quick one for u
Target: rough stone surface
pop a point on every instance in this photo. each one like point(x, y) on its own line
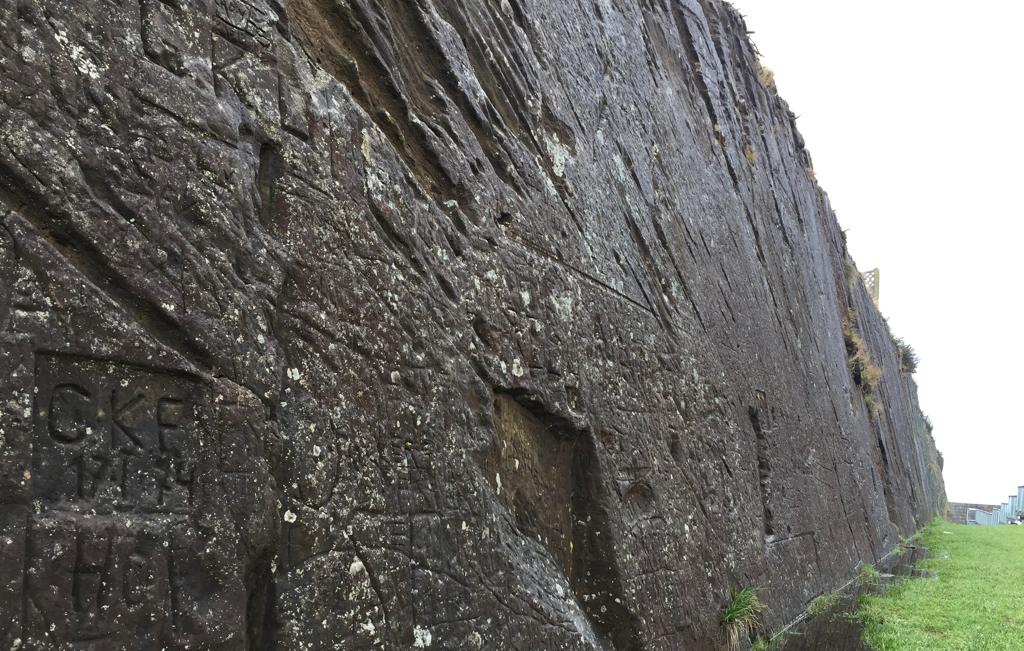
point(442, 324)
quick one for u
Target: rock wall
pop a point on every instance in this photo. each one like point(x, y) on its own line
point(439, 324)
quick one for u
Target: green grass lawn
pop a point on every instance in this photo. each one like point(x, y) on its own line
point(975, 604)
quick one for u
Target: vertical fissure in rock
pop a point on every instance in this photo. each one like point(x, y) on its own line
point(548, 474)
point(259, 609)
point(271, 168)
point(882, 463)
point(595, 575)
point(764, 468)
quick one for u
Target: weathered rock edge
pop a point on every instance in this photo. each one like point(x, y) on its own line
point(424, 323)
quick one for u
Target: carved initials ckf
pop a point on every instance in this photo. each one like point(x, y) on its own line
point(125, 441)
point(75, 414)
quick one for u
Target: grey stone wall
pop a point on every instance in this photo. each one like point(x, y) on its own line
point(437, 324)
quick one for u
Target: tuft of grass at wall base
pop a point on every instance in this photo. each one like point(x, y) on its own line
point(976, 601)
point(742, 618)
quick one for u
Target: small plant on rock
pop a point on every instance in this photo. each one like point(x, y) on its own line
point(907, 357)
point(869, 574)
point(766, 77)
point(864, 372)
point(742, 618)
point(824, 603)
point(851, 269)
point(761, 644)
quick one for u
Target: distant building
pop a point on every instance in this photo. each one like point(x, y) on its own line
point(963, 513)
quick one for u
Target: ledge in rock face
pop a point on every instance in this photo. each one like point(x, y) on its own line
point(433, 324)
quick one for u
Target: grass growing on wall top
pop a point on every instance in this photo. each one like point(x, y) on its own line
point(977, 601)
point(907, 356)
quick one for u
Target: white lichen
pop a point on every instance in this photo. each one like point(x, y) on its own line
point(421, 637)
point(356, 568)
point(559, 155)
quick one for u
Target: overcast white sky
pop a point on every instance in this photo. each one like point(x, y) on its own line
point(912, 112)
